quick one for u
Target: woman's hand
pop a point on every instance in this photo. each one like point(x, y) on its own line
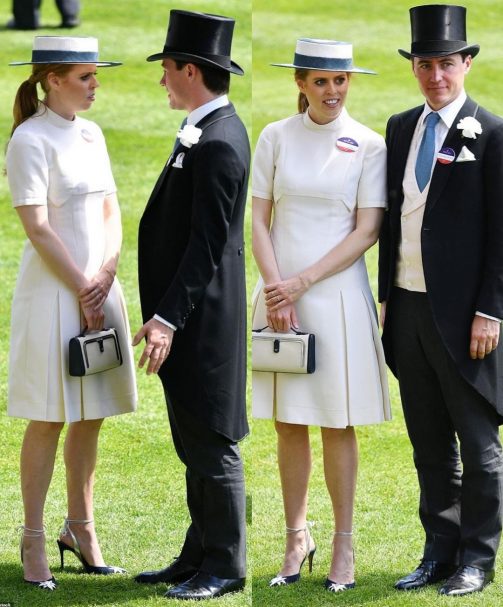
point(285, 292)
point(94, 317)
point(95, 294)
point(282, 320)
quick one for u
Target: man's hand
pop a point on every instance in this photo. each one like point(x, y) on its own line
point(159, 338)
point(484, 337)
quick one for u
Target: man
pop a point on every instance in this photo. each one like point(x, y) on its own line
point(441, 284)
point(192, 288)
point(27, 14)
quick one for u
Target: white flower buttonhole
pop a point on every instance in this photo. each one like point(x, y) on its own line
point(470, 127)
point(189, 135)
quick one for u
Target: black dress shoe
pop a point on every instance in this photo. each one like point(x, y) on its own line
point(175, 573)
point(204, 586)
point(467, 580)
point(428, 572)
point(70, 22)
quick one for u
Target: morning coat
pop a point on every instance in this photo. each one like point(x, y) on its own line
point(461, 240)
point(192, 271)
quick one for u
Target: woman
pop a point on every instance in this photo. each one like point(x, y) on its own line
point(64, 193)
point(322, 175)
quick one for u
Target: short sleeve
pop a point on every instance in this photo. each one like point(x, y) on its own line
point(264, 166)
point(27, 170)
point(372, 184)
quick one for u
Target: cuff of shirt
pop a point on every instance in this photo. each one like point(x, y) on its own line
point(164, 322)
point(487, 316)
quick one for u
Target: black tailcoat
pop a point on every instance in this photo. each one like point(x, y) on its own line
point(192, 271)
point(461, 240)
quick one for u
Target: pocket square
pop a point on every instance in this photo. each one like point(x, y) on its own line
point(465, 155)
point(178, 164)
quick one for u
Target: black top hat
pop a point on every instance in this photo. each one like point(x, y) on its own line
point(199, 38)
point(438, 30)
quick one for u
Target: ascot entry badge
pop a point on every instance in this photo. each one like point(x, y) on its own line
point(446, 156)
point(346, 144)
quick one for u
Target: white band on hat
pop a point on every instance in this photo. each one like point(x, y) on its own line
point(327, 49)
point(75, 44)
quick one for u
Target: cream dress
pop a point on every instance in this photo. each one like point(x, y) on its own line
point(62, 164)
point(317, 177)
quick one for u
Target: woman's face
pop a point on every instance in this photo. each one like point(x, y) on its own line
point(326, 93)
point(73, 92)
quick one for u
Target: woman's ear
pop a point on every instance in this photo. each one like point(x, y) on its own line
point(301, 85)
point(52, 80)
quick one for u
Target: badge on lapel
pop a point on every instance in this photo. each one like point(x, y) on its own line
point(446, 156)
point(178, 164)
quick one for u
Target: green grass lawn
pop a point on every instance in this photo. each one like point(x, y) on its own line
point(140, 512)
point(388, 537)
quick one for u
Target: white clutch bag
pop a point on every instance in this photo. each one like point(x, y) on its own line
point(94, 352)
point(283, 352)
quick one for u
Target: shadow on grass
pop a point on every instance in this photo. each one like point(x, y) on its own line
point(74, 588)
point(370, 588)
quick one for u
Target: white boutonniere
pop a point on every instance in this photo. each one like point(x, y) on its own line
point(470, 127)
point(189, 135)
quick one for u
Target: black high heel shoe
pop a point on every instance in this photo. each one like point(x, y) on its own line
point(283, 580)
point(96, 570)
point(338, 586)
point(49, 584)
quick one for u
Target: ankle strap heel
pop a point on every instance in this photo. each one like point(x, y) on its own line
point(49, 584)
point(63, 546)
point(283, 580)
point(331, 585)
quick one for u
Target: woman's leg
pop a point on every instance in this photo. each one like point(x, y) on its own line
point(340, 461)
point(81, 446)
point(294, 460)
point(37, 464)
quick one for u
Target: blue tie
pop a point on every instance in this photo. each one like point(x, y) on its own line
point(426, 151)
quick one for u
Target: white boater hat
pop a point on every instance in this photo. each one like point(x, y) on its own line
point(65, 49)
point(326, 55)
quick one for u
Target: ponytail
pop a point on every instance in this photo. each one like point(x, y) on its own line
point(26, 102)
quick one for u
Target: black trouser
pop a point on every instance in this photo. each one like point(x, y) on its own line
point(27, 12)
point(460, 506)
point(215, 541)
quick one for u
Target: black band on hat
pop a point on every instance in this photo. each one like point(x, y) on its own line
point(322, 63)
point(63, 57)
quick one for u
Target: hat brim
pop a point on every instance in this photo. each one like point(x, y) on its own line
point(353, 70)
point(96, 63)
point(472, 50)
point(190, 58)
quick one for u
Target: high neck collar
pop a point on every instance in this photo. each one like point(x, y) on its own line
point(334, 125)
point(56, 119)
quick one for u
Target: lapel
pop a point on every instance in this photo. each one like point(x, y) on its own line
point(403, 138)
point(442, 172)
point(219, 114)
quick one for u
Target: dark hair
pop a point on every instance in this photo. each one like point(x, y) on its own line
point(26, 101)
point(302, 102)
point(215, 80)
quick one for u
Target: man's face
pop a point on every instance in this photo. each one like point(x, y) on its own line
point(175, 83)
point(441, 79)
